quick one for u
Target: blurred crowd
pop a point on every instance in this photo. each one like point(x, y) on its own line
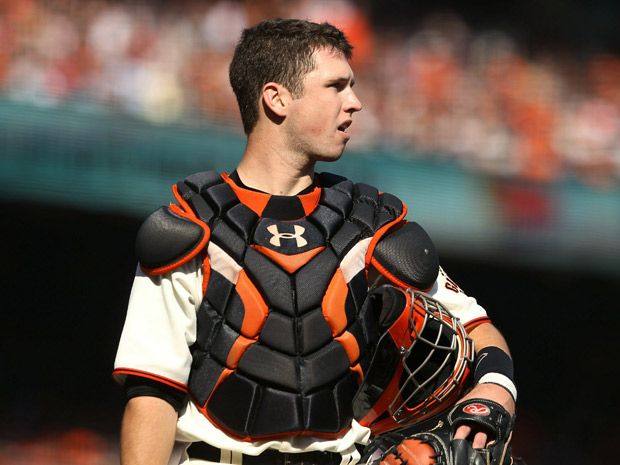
point(436, 90)
point(79, 446)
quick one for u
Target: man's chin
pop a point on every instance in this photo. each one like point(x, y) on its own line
point(328, 157)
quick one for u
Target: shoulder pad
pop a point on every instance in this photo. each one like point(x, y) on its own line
point(166, 240)
point(374, 209)
point(409, 255)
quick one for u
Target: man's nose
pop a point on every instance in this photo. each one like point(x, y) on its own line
point(353, 104)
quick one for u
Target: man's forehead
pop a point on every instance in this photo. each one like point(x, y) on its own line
point(331, 62)
point(329, 53)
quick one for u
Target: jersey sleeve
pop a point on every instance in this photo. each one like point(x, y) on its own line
point(462, 306)
point(160, 326)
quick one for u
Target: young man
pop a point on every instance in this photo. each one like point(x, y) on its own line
point(247, 332)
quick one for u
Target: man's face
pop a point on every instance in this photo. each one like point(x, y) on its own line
point(318, 121)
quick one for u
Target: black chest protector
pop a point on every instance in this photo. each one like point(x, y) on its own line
point(282, 340)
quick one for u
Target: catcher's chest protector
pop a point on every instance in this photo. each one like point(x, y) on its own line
point(281, 341)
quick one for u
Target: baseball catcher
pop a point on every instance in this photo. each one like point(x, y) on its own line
point(256, 330)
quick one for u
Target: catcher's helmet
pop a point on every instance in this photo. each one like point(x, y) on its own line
point(420, 363)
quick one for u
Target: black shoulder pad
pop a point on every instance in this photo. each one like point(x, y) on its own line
point(409, 254)
point(165, 239)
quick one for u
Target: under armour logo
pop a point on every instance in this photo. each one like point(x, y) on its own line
point(277, 235)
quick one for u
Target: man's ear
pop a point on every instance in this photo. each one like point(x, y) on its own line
point(276, 98)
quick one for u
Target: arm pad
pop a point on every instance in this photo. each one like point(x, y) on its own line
point(136, 386)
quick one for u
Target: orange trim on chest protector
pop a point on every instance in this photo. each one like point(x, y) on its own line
point(290, 263)
point(257, 201)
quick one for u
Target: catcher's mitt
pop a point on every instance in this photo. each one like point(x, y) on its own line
point(432, 443)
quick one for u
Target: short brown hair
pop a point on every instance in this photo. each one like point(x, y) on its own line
point(278, 50)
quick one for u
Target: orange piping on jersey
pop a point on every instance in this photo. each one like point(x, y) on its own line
point(333, 304)
point(379, 234)
point(255, 308)
point(290, 263)
point(310, 200)
point(236, 351)
point(476, 322)
point(255, 201)
point(154, 377)
point(350, 346)
point(357, 369)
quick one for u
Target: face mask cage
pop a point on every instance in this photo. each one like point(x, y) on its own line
point(435, 364)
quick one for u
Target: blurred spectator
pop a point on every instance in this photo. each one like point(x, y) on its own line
point(437, 90)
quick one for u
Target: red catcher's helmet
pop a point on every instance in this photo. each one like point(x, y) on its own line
point(420, 365)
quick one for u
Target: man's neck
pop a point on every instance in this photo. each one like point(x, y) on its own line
point(269, 169)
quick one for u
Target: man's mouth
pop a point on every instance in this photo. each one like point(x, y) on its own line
point(344, 126)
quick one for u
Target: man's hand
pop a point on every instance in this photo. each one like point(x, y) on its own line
point(485, 391)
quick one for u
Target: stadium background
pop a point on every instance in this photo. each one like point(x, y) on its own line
point(499, 126)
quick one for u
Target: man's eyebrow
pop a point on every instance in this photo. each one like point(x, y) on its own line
point(343, 80)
